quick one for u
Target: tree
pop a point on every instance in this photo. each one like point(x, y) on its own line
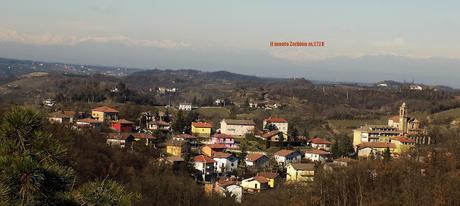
point(106, 192)
point(387, 155)
point(306, 134)
point(295, 134)
point(34, 169)
point(179, 123)
point(270, 127)
point(281, 139)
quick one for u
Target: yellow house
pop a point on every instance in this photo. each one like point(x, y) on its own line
point(177, 148)
point(403, 144)
point(104, 113)
point(201, 129)
point(271, 176)
point(300, 172)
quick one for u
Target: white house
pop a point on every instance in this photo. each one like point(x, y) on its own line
point(206, 167)
point(317, 155)
point(285, 157)
point(236, 127)
point(225, 162)
point(185, 106)
point(229, 186)
point(281, 124)
point(319, 143)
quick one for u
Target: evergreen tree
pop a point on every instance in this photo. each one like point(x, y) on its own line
point(387, 155)
point(178, 125)
point(281, 139)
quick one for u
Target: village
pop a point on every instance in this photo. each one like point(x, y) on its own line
point(216, 159)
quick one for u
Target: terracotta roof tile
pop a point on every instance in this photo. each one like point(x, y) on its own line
point(318, 140)
point(284, 152)
point(317, 151)
point(202, 124)
point(204, 159)
point(276, 120)
point(376, 145)
point(254, 157)
point(403, 139)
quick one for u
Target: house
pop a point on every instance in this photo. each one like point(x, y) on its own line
point(272, 177)
point(256, 160)
point(225, 139)
point(88, 122)
point(300, 172)
point(105, 114)
point(273, 136)
point(122, 125)
point(285, 157)
point(201, 129)
point(48, 102)
point(205, 166)
point(365, 149)
point(225, 162)
point(319, 143)
point(402, 144)
point(317, 155)
point(61, 117)
point(122, 139)
point(235, 127)
point(158, 125)
point(230, 186)
point(255, 184)
point(178, 148)
point(185, 106)
point(210, 149)
point(279, 124)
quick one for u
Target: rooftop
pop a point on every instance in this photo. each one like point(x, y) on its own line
point(203, 159)
point(105, 109)
point(239, 122)
point(202, 124)
point(303, 166)
point(317, 151)
point(376, 145)
point(254, 156)
point(284, 152)
point(318, 140)
point(276, 120)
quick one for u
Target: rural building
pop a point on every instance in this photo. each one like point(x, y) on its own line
point(201, 129)
point(237, 127)
point(280, 124)
point(300, 172)
point(185, 106)
point(225, 139)
point(256, 160)
point(319, 143)
point(225, 162)
point(104, 114)
point(122, 125)
point(255, 184)
point(177, 148)
point(376, 148)
point(317, 155)
point(205, 165)
point(210, 149)
point(285, 157)
point(273, 178)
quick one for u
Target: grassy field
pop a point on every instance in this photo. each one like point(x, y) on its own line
point(448, 115)
point(347, 126)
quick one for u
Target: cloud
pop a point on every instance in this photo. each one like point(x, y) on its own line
point(8, 35)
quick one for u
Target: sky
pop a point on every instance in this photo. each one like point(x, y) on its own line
point(365, 41)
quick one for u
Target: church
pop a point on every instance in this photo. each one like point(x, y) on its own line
point(405, 123)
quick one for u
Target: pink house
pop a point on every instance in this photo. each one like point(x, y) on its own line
point(225, 139)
